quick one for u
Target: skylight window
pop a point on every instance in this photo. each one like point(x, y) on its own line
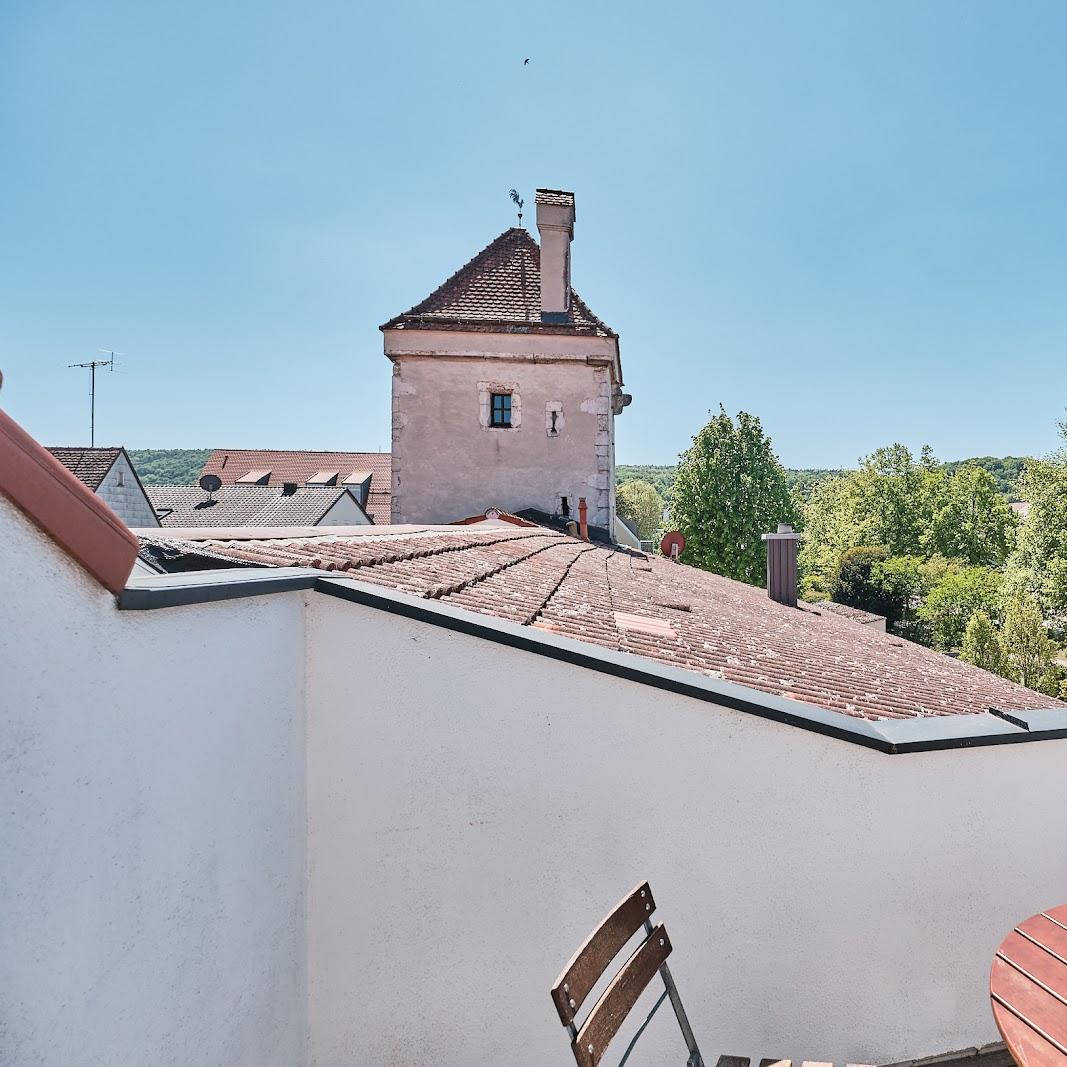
point(323, 478)
point(254, 478)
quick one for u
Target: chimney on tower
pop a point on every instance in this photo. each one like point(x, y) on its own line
point(555, 224)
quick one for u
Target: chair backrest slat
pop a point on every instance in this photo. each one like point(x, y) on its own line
point(600, 948)
point(607, 1015)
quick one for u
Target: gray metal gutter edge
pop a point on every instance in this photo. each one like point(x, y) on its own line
point(892, 736)
point(203, 587)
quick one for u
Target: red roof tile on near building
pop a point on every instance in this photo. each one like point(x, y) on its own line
point(646, 606)
point(64, 507)
point(499, 289)
point(278, 467)
point(88, 465)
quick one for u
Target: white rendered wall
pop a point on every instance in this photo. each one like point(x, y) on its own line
point(345, 512)
point(474, 810)
point(122, 492)
point(152, 886)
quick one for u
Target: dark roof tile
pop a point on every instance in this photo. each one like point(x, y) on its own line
point(88, 465)
point(499, 289)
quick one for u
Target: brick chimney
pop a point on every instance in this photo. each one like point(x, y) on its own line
point(782, 565)
point(555, 224)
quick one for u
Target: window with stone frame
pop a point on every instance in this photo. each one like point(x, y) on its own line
point(500, 410)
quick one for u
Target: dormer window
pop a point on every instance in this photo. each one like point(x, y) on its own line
point(500, 410)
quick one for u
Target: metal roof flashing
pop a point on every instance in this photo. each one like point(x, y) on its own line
point(889, 736)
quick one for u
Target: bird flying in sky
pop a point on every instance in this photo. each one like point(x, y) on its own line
point(525, 61)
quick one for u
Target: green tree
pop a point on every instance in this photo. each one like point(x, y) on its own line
point(1029, 654)
point(854, 583)
point(903, 582)
point(955, 598)
point(1042, 554)
point(894, 496)
point(639, 502)
point(972, 522)
point(830, 527)
point(729, 489)
point(660, 477)
point(168, 466)
point(981, 645)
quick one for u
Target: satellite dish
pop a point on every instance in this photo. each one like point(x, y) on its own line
point(673, 544)
point(210, 483)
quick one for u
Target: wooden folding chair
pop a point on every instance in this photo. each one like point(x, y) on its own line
point(589, 1041)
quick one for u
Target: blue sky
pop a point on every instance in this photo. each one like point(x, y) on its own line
point(847, 218)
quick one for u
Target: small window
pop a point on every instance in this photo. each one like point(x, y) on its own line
point(500, 410)
point(120, 479)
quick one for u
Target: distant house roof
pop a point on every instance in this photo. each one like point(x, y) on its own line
point(275, 468)
point(88, 465)
point(1021, 508)
point(243, 505)
point(499, 288)
point(627, 602)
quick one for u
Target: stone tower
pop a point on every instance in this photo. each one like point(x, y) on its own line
point(506, 386)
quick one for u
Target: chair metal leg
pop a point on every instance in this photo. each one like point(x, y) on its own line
point(695, 1059)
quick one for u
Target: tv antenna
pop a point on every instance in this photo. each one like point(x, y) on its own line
point(516, 200)
point(92, 365)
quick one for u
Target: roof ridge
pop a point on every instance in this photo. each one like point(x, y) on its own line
point(436, 592)
point(403, 556)
point(532, 619)
point(303, 451)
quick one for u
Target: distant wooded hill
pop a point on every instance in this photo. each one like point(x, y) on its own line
point(182, 466)
point(1006, 470)
point(169, 466)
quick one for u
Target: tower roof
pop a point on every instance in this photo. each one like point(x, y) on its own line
point(499, 289)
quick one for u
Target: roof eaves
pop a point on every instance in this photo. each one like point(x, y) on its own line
point(64, 508)
point(918, 734)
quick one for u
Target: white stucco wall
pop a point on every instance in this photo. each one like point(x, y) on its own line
point(474, 810)
point(122, 492)
point(291, 829)
point(153, 833)
point(345, 512)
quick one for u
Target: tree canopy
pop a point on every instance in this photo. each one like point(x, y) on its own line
point(730, 489)
point(639, 502)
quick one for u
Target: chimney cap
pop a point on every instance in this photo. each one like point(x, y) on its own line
point(556, 197)
point(785, 533)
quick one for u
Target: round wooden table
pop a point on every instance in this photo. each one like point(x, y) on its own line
point(1028, 990)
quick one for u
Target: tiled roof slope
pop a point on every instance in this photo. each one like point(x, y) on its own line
point(88, 465)
point(64, 508)
point(241, 505)
point(231, 463)
point(650, 607)
point(499, 288)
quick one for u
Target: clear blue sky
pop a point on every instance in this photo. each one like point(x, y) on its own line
point(848, 218)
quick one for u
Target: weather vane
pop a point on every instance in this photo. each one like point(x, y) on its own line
point(517, 201)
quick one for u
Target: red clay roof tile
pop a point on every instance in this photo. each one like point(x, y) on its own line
point(231, 464)
point(621, 601)
point(65, 508)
